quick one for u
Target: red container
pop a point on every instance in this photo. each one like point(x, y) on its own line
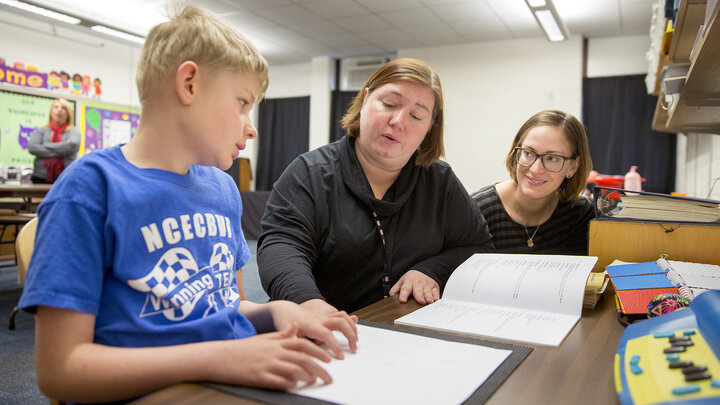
point(609, 181)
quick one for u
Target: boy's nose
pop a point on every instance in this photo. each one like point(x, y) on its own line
point(251, 132)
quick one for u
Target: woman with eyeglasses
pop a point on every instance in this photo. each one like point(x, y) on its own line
point(539, 210)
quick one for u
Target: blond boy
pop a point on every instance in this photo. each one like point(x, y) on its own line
point(133, 277)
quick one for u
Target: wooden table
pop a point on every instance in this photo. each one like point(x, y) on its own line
point(25, 191)
point(579, 371)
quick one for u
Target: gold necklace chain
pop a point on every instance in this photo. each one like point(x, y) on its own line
point(530, 242)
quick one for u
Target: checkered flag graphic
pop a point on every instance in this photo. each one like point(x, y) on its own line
point(174, 267)
point(222, 258)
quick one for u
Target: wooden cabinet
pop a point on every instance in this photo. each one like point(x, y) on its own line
point(634, 241)
point(697, 107)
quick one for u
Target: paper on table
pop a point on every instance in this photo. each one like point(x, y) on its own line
point(392, 367)
point(528, 298)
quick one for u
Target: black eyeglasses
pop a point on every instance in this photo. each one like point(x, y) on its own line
point(551, 162)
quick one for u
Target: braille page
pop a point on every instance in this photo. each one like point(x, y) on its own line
point(392, 367)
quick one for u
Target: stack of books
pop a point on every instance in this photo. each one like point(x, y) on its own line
point(594, 289)
point(644, 206)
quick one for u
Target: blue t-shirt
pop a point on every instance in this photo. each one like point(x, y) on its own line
point(151, 253)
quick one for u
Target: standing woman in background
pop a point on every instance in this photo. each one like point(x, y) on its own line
point(54, 145)
point(540, 211)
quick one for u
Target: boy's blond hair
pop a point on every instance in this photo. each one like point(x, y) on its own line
point(195, 34)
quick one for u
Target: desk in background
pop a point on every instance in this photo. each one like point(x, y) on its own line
point(25, 191)
point(580, 370)
point(10, 221)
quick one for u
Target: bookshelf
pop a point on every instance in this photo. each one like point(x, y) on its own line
point(697, 107)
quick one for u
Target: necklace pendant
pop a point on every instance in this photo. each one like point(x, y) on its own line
point(530, 243)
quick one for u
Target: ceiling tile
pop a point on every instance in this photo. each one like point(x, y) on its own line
point(396, 43)
point(442, 2)
point(591, 18)
point(335, 8)
point(339, 41)
point(636, 16)
point(385, 35)
point(320, 29)
point(260, 4)
point(389, 5)
point(476, 28)
point(246, 19)
point(288, 15)
point(464, 11)
point(413, 17)
point(217, 6)
point(363, 23)
point(488, 36)
point(436, 40)
point(516, 17)
point(360, 50)
point(430, 31)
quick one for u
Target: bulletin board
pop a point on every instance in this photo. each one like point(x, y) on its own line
point(20, 114)
point(103, 125)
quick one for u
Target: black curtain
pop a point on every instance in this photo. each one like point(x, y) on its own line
point(284, 129)
point(339, 103)
point(618, 113)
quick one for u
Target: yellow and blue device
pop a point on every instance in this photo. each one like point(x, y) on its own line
point(672, 358)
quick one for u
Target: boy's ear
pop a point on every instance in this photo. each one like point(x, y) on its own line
point(186, 80)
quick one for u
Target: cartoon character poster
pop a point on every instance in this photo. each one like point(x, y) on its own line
point(20, 114)
point(103, 125)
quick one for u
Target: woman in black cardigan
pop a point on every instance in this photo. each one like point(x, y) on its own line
point(375, 213)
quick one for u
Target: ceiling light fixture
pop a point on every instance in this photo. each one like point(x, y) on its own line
point(548, 18)
point(117, 34)
point(41, 11)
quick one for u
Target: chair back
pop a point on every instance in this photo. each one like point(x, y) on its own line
point(24, 243)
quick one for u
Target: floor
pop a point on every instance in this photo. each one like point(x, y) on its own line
point(18, 384)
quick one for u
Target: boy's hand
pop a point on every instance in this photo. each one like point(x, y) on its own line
point(276, 360)
point(319, 307)
point(318, 326)
point(422, 287)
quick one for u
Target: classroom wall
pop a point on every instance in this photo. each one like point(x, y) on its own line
point(617, 56)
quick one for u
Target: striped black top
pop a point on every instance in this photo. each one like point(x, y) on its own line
point(565, 232)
